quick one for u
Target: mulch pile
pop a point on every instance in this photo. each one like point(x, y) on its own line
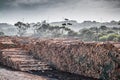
point(97, 60)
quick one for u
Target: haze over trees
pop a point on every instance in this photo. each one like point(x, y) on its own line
point(44, 29)
point(1, 34)
point(102, 33)
point(67, 29)
point(22, 27)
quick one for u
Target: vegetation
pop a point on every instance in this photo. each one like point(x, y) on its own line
point(102, 33)
point(21, 28)
point(44, 29)
point(1, 34)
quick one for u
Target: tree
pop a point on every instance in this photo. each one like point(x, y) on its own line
point(64, 24)
point(1, 33)
point(118, 22)
point(87, 35)
point(119, 27)
point(118, 38)
point(84, 31)
point(103, 27)
point(21, 28)
point(111, 37)
point(36, 27)
point(66, 19)
point(110, 31)
point(103, 38)
point(72, 33)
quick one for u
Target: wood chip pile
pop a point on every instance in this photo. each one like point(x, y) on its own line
point(98, 60)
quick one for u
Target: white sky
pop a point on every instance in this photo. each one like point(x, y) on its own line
point(56, 10)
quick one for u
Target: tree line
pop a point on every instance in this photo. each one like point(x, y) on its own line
point(44, 29)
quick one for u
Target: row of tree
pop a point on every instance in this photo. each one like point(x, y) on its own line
point(101, 33)
point(43, 29)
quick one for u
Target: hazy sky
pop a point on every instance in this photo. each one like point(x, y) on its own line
point(12, 11)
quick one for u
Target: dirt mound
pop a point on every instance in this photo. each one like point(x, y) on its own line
point(98, 60)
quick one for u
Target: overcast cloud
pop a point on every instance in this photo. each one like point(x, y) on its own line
point(12, 11)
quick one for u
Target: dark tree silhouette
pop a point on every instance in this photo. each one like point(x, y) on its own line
point(69, 23)
point(66, 19)
point(21, 27)
point(1, 33)
point(64, 24)
point(103, 27)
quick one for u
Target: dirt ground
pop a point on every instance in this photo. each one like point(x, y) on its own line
point(7, 74)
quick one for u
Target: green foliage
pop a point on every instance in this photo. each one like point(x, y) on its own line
point(103, 27)
point(72, 33)
point(87, 34)
point(46, 30)
point(102, 33)
point(22, 27)
point(93, 28)
point(111, 37)
point(118, 37)
point(103, 38)
point(110, 31)
point(119, 23)
point(43, 29)
point(1, 33)
point(84, 31)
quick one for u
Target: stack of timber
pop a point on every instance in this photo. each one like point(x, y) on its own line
point(97, 60)
point(21, 60)
point(7, 44)
point(117, 45)
point(13, 55)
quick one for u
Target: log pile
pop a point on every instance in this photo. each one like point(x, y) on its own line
point(98, 60)
point(21, 60)
point(7, 44)
point(117, 45)
point(24, 42)
point(2, 77)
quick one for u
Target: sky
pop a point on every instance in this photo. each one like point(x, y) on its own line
point(12, 11)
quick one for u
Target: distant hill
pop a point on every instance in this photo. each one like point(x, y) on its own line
point(86, 24)
point(8, 29)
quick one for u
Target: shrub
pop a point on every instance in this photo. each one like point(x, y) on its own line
point(103, 38)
